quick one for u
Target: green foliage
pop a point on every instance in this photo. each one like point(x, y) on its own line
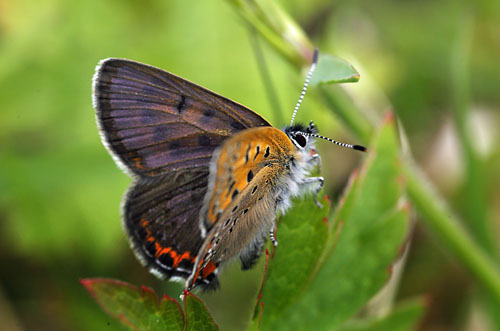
point(332, 69)
point(403, 317)
point(141, 310)
point(197, 315)
point(349, 262)
point(302, 236)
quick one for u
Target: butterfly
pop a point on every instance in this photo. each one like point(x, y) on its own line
point(209, 174)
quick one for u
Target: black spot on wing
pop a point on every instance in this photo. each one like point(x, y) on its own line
point(149, 248)
point(208, 112)
point(231, 186)
point(235, 193)
point(249, 176)
point(237, 125)
point(166, 261)
point(247, 156)
point(204, 140)
point(174, 144)
point(266, 154)
point(182, 104)
point(257, 151)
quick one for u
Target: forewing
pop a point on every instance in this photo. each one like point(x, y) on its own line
point(240, 204)
point(237, 165)
point(154, 122)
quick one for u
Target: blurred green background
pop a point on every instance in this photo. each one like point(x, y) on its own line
point(60, 191)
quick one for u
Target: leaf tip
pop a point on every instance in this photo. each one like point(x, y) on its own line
point(167, 298)
point(86, 282)
point(148, 292)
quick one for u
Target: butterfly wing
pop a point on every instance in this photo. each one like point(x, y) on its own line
point(153, 121)
point(240, 205)
point(161, 218)
point(163, 130)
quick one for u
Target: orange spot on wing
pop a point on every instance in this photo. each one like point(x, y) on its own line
point(138, 164)
point(209, 268)
point(160, 250)
point(178, 258)
point(144, 223)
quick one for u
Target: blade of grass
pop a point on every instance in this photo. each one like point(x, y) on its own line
point(473, 191)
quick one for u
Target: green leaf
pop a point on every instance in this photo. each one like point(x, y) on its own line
point(302, 235)
point(404, 317)
point(197, 316)
point(139, 310)
point(370, 227)
point(333, 70)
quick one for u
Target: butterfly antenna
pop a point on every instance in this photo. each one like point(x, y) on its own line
point(304, 89)
point(356, 147)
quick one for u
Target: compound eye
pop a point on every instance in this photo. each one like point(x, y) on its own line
point(300, 139)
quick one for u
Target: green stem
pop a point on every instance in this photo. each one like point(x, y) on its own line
point(249, 11)
point(473, 191)
point(451, 233)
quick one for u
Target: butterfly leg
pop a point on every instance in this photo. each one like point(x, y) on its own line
point(271, 236)
point(317, 184)
point(316, 161)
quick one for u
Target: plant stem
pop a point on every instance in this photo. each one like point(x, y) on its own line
point(451, 233)
point(473, 191)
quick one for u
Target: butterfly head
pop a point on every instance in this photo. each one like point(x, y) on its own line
point(302, 136)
